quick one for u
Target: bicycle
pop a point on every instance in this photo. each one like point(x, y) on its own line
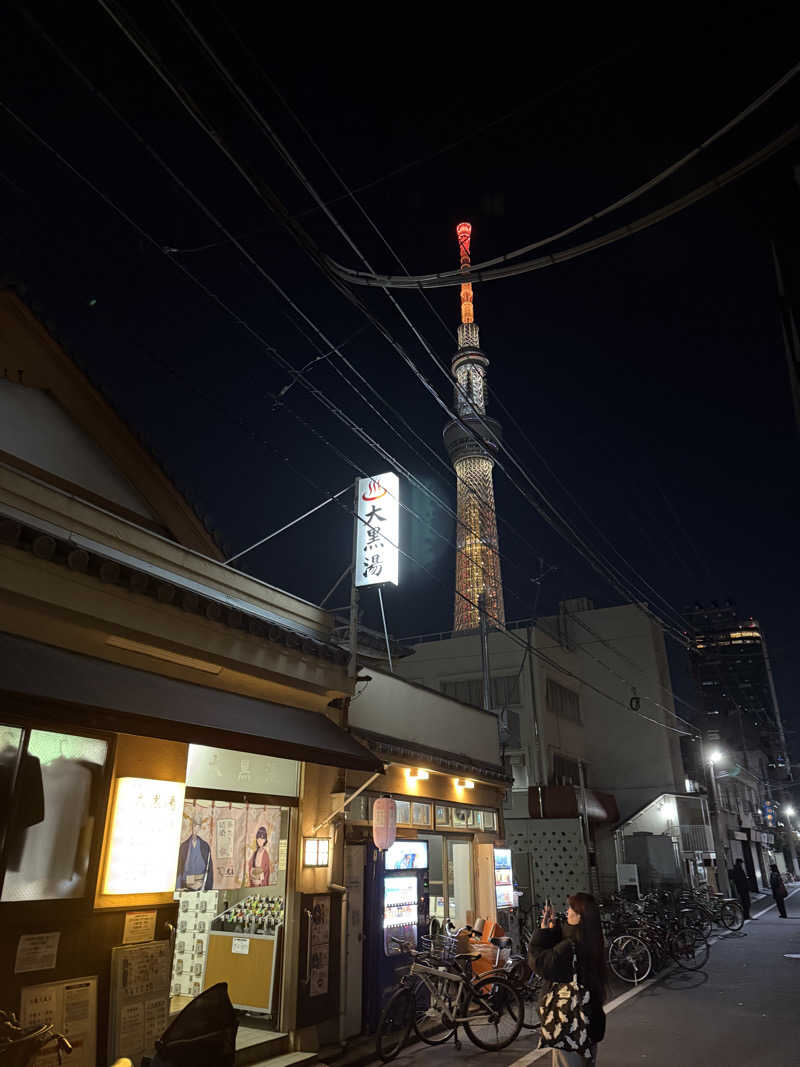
point(436, 997)
point(21, 1045)
point(528, 984)
point(634, 955)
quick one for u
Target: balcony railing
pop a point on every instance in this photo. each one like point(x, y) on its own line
point(696, 838)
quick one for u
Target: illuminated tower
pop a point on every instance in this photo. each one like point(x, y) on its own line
point(477, 561)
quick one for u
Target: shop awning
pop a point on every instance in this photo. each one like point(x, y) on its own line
point(84, 691)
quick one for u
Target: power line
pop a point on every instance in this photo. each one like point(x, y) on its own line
point(317, 257)
point(453, 277)
point(305, 242)
point(237, 318)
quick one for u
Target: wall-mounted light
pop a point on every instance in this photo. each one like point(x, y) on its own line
point(464, 783)
point(316, 851)
point(417, 774)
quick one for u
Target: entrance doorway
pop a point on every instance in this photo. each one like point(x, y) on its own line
point(450, 878)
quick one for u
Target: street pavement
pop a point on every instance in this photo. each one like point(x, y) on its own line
point(742, 1010)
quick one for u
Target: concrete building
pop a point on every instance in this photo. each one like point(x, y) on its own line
point(588, 729)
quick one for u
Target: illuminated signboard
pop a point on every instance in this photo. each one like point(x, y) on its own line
point(377, 530)
point(770, 813)
point(145, 836)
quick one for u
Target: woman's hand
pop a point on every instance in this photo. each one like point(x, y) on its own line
point(548, 921)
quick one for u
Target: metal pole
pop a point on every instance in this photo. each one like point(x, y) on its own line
point(288, 526)
point(539, 762)
point(385, 632)
point(484, 632)
point(352, 667)
point(713, 811)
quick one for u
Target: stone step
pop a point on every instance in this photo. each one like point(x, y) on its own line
point(287, 1059)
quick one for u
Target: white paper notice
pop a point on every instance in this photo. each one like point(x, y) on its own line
point(240, 945)
point(139, 926)
point(131, 1027)
point(71, 1007)
point(36, 952)
point(156, 1014)
point(282, 854)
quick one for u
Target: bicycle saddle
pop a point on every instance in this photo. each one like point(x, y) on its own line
point(500, 942)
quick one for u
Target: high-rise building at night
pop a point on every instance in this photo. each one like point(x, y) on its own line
point(734, 679)
point(471, 442)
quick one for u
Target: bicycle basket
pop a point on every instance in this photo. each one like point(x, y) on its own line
point(440, 947)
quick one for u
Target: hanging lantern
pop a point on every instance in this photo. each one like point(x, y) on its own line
point(384, 822)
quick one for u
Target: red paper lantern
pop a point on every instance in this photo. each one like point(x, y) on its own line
point(384, 822)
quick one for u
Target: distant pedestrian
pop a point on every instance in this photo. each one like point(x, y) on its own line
point(558, 953)
point(779, 891)
point(739, 879)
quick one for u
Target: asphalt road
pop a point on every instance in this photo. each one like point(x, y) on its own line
point(742, 1010)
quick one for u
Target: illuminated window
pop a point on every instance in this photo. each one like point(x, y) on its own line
point(316, 851)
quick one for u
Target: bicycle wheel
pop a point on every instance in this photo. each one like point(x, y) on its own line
point(395, 1024)
point(529, 986)
point(630, 958)
point(687, 951)
point(697, 919)
point(731, 915)
point(429, 1025)
point(494, 1013)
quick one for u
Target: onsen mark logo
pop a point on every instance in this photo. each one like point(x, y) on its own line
point(374, 492)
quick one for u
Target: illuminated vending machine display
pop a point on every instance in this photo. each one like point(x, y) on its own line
point(405, 875)
point(503, 879)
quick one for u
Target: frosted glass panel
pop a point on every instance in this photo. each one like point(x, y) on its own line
point(51, 839)
point(241, 772)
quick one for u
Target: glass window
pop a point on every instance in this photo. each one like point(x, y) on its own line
point(563, 702)
point(504, 690)
point(58, 791)
point(403, 808)
point(421, 814)
point(443, 815)
point(459, 880)
point(489, 820)
point(459, 816)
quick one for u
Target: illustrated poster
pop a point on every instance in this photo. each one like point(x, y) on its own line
point(262, 852)
point(229, 828)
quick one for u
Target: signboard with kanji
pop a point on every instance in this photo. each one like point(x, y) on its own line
point(377, 530)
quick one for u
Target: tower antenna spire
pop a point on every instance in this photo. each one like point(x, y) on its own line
point(470, 442)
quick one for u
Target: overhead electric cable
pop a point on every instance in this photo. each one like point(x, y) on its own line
point(476, 274)
point(333, 495)
point(316, 254)
point(305, 242)
point(473, 274)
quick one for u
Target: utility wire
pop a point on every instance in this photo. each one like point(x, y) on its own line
point(476, 274)
point(333, 495)
point(476, 271)
point(318, 258)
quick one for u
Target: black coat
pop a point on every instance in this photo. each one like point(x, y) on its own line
point(739, 879)
point(550, 956)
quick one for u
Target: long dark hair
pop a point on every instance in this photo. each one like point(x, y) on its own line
point(591, 949)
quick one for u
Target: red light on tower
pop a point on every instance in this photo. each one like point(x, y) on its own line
point(464, 233)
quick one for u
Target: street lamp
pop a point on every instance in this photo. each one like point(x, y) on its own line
point(789, 811)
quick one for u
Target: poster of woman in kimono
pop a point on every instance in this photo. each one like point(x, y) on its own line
point(263, 834)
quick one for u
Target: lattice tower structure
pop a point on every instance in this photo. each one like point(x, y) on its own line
point(472, 451)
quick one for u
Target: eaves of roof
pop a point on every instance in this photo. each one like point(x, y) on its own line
point(414, 753)
point(167, 589)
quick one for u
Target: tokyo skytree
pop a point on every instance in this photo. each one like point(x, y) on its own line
point(472, 451)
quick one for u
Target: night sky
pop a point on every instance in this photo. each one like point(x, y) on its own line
point(650, 376)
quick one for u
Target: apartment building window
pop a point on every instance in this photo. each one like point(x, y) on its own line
point(519, 769)
point(565, 770)
point(563, 702)
point(504, 690)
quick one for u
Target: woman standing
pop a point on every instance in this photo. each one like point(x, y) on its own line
point(551, 954)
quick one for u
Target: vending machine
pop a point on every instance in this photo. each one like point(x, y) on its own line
point(398, 908)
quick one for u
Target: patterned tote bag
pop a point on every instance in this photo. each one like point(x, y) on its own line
point(564, 1016)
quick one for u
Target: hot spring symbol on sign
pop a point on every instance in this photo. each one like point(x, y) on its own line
point(377, 530)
